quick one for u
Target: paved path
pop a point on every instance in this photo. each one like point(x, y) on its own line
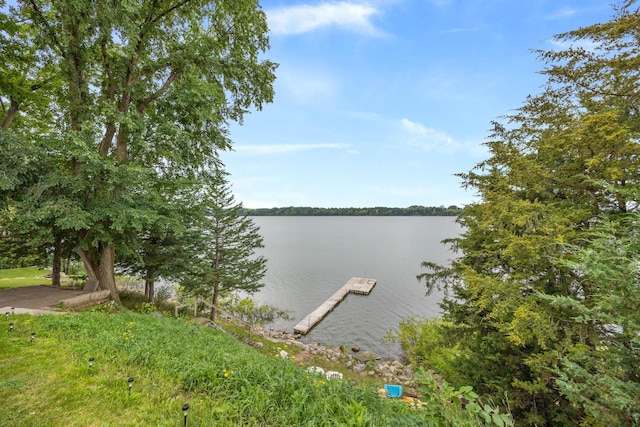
point(29, 299)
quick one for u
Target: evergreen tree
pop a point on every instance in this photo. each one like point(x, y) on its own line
point(228, 245)
point(600, 371)
point(558, 166)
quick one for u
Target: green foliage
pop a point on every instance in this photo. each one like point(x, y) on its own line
point(50, 382)
point(228, 242)
point(601, 372)
point(448, 406)
point(425, 342)
point(113, 109)
point(532, 322)
point(249, 311)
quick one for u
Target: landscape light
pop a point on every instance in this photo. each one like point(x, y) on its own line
point(130, 380)
point(12, 310)
point(7, 314)
point(10, 327)
point(185, 408)
point(33, 335)
point(91, 360)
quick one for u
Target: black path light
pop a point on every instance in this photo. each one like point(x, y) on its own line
point(185, 409)
point(33, 336)
point(10, 327)
point(91, 360)
point(130, 381)
point(13, 310)
point(7, 315)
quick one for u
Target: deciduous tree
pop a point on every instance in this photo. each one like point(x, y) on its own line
point(140, 90)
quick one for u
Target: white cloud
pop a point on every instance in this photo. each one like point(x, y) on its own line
point(565, 12)
point(355, 17)
point(419, 136)
point(285, 148)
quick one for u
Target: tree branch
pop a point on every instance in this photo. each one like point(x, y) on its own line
point(10, 114)
point(168, 11)
point(142, 106)
point(44, 23)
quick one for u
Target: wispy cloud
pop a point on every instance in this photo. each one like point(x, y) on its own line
point(285, 148)
point(565, 12)
point(299, 19)
point(419, 136)
point(458, 30)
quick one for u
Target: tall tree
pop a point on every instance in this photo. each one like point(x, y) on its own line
point(229, 261)
point(142, 89)
point(566, 159)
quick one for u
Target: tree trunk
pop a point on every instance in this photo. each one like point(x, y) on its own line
point(102, 268)
point(214, 301)
point(149, 289)
point(88, 265)
point(10, 114)
point(105, 270)
point(57, 262)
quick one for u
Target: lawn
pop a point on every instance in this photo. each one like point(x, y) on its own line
point(100, 367)
point(27, 276)
point(47, 380)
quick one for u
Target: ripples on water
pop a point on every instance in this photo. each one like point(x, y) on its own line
point(309, 258)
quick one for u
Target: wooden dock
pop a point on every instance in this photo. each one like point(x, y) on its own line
point(356, 285)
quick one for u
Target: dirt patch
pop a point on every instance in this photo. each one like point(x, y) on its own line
point(304, 357)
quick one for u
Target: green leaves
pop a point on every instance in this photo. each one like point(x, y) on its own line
point(124, 103)
point(541, 307)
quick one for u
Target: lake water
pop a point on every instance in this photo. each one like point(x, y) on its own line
point(309, 258)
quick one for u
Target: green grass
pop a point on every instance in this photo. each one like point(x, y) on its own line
point(48, 382)
point(27, 276)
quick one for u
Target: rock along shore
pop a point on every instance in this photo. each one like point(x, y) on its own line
point(364, 363)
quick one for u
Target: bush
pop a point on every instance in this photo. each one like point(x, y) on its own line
point(247, 310)
point(424, 343)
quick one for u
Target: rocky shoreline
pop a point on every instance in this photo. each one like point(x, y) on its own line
point(363, 363)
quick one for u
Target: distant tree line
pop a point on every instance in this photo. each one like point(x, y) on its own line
point(452, 210)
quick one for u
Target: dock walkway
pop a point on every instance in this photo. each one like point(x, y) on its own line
point(356, 285)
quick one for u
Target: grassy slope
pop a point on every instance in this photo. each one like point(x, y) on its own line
point(48, 382)
point(28, 276)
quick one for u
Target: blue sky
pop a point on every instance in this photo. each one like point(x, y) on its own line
point(381, 102)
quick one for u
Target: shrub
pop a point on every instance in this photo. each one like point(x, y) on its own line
point(424, 343)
